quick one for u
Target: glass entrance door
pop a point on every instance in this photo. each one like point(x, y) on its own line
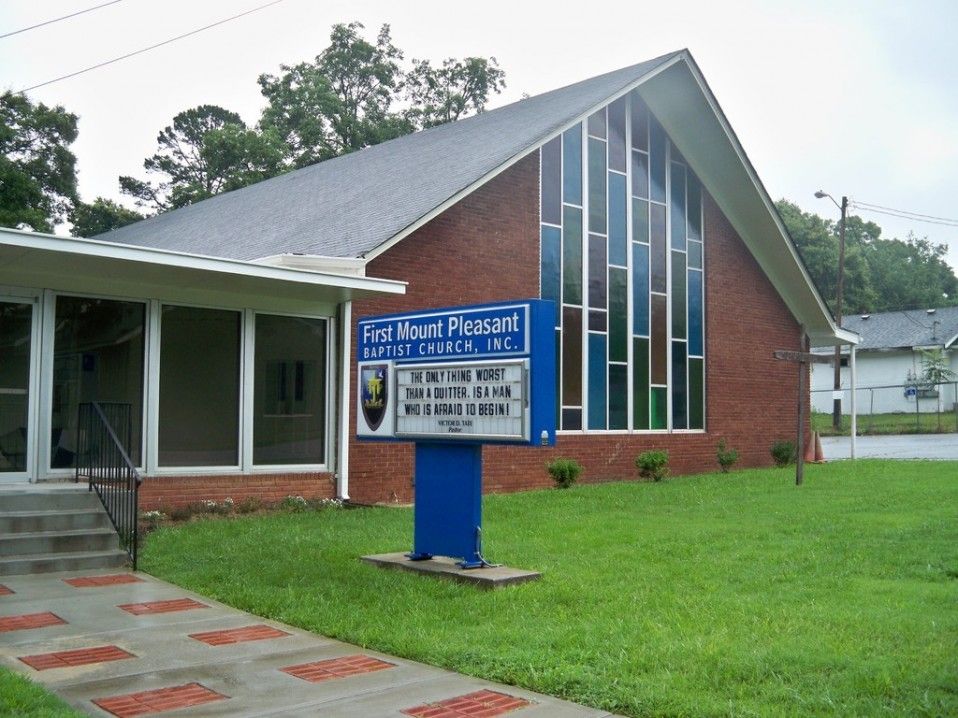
point(17, 340)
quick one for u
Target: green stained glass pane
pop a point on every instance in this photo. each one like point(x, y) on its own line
point(679, 314)
point(659, 248)
point(551, 181)
point(680, 387)
point(695, 255)
point(640, 221)
point(598, 276)
point(571, 356)
point(597, 194)
point(696, 394)
point(640, 384)
point(677, 206)
point(660, 349)
point(572, 164)
point(550, 269)
point(660, 411)
point(571, 255)
point(618, 396)
point(618, 314)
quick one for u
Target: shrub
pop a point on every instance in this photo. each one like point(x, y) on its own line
point(564, 472)
point(182, 513)
point(783, 452)
point(152, 519)
point(293, 503)
point(726, 456)
point(320, 504)
point(653, 464)
point(249, 505)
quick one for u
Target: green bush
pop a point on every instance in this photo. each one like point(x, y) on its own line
point(249, 505)
point(653, 465)
point(564, 472)
point(726, 456)
point(783, 452)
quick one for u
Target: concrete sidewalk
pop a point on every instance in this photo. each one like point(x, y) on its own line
point(127, 644)
point(942, 447)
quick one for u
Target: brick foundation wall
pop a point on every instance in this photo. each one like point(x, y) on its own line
point(160, 492)
point(486, 248)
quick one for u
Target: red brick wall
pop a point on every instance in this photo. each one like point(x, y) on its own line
point(486, 248)
point(158, 492)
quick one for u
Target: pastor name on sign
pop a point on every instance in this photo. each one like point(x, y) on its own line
point(468, 333)
point(475, 400)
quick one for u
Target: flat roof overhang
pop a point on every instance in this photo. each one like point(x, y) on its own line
point(32, 259)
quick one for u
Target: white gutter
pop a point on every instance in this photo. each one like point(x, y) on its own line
point(316, 263)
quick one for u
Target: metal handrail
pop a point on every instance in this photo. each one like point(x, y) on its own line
point(102, 458)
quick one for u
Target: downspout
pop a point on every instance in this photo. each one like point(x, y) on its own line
point(854, 407)
point(345, 362)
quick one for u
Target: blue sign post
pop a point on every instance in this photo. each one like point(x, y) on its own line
point(452, 380)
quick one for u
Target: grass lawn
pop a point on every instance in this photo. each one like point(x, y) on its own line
point(25, 699)
point(709, 595)
point(869, 424)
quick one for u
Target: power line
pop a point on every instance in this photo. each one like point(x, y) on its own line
point(902, 211)
point(151, 47)
point(58, 19)
point(946, 223)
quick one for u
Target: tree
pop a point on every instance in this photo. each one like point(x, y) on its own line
point(103, 215)
point(207, 150)
point(339, 103)
point(911, 274)
point(444, 94)
point(38, 179)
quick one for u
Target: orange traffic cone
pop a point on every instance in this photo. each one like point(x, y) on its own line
point(819, 454)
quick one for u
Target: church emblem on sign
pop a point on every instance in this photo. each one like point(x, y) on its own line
point(375, 389)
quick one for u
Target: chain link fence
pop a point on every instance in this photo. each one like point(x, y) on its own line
point(889, 409)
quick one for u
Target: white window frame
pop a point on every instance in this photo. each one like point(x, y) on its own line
point(16, 295)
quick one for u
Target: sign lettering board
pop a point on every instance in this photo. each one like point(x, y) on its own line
point(480, 374)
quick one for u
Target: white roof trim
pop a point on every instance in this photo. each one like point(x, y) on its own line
point(168, 258)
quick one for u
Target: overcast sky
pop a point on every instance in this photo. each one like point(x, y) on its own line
point(856, 98)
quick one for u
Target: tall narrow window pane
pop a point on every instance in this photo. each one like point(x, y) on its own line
point(199, 387)
point(617, 135)
point(660, 369)
point(289, 399)
point(659, 248)
point(696, 329)
point(571, 356)
point(598, 404)
point(640, 289)
point(640, 221)
point(572, 165)
point(695, 254)
point(696, 394)
point(551, 181)
point(618, 231)
point(571, 255)
point(680, 417)
point(16, 339)
point(640, 122)
point(618, 314)
point(660, 408)
point(678, 296)
point(598, 278)
point(550, 275)
point(98, 356)
point(640, 174)
point(677, 206)
point(597, 195)
point(618, 396)
point(597, 124)
point(640, 384)
point(558, 386)
point(657, 140)
point(694, 207)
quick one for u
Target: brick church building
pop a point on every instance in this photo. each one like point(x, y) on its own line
point(626, 198)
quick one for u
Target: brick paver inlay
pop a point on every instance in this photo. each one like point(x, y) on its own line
point(4, 591)
point(472, 705)
point(111, 580)
point(239, 635)
point(78, 657)
point(151, 607)
point(158, 701)
point(337, 668)
point(29, 620)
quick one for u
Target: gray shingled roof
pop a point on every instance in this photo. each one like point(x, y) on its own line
point(912, 328)
point(348, 206)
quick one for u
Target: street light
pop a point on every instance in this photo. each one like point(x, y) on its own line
point(837, 402)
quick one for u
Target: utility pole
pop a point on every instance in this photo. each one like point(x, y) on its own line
point(837, 402)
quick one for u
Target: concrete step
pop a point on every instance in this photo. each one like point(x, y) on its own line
point(44, 542)
point(72, 561)
point(48, 500)
point(62, 520)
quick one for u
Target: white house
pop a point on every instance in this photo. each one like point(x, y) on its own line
point(889, 359)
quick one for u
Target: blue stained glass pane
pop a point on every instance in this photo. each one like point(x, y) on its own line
point(640, 289)
point(551, 181)
point(677, 206)
point(550, 277)
point(618, 236)
point(572, 164)
point(695, 207)
point(696, 333)
point(597, 173)
point(597, 381)
point(617, 134)
point(640, 175)
point(656, 160)
point(597, 124)
point(640, 122)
